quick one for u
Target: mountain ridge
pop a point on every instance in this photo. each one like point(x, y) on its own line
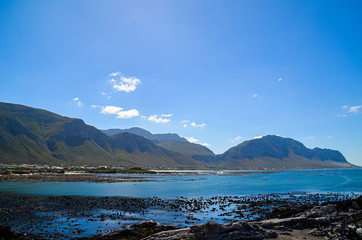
point(29, 135)
point(169, 141)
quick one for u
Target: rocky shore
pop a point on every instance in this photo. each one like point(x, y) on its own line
point(340, 220)
point(283, 216)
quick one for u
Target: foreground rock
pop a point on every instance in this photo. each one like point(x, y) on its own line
point(341, 220)
point(137, 231)
point(333, 219)
point(8, 234)
point(213, 230)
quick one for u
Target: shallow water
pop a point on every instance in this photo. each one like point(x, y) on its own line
point(170, 186)
point(202, 187)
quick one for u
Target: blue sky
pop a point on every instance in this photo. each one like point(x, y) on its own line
point(219, 72)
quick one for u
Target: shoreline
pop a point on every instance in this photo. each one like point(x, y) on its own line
point(107, 177)
point(128, 176)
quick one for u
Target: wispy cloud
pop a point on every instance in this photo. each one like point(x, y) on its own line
point(350, 110)
point(235, 139)
point(329, 137)
point(201, 125)
point(280, 79)
point(114, 74)
point(194, 140)
point(354, 109)
point(77, 101)
point(255, 95)
point(118, 111)
point(205, 144)
point(122, 83)
point(155, 118)
point(187, 123)
point(167, 115)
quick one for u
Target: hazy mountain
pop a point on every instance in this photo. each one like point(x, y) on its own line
point(29, 135)
point(274, 152)
point(170, 141)
point(146, 134)
point(186, 148)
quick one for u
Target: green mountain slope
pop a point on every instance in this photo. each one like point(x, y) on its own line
point(186, 148)
point(29, 135)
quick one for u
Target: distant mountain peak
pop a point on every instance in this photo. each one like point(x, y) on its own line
point(272, 151)
point(146, 134)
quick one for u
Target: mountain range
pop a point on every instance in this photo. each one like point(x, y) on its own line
point(29, 135)
point(170, 141)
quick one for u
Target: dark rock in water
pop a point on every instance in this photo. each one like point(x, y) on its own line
point(135, 232)
point(233, 230)
point(216, 231)
point(342, 220)
point(7, 234)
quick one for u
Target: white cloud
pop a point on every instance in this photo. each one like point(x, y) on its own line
point(235, 139)
point(118, 111)
point(205, 144)
point(258, 137)
point(114, 74)
point(329, 137)
point(309, 138)
point(166, 115)
point(255, 95)
point(349, 110)
point(280, 79)
point(345, 107)
point(187, 123)
point(128, 114)
point(125, 84)
point(354, 109)
point(201, 125)
point(192, 139)
point(156, 119)
point(111, 109)
point(77, 101)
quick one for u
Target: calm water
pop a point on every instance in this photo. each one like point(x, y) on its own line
point(205, 185)
point(169, 186)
